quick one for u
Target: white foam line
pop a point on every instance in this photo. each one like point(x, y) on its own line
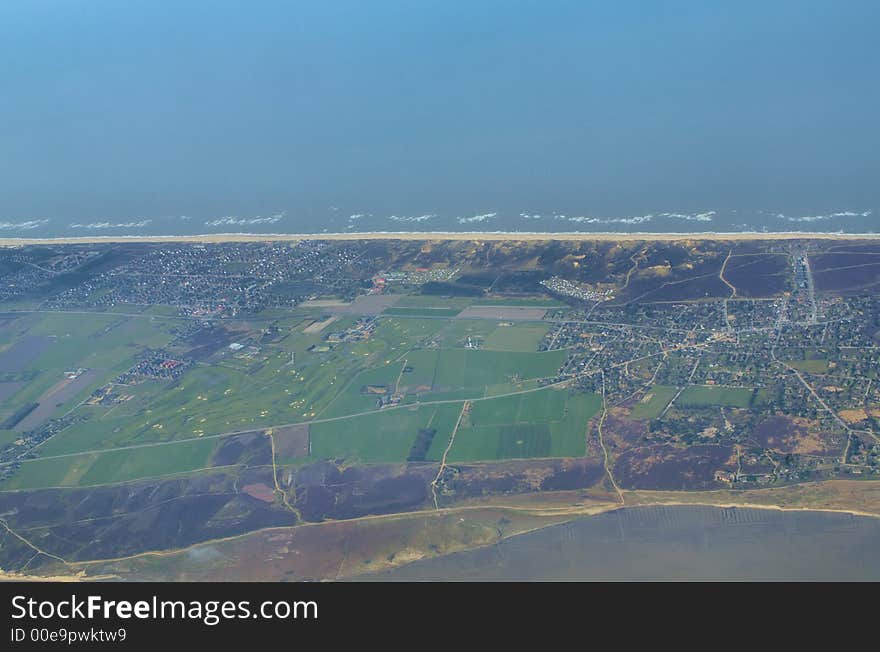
point(550, 235)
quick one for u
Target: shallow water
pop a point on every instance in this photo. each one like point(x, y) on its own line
point(673, 543)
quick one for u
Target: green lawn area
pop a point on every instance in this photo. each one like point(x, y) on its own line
point(105, 344)
point(113, 466)
point(385, 436)
point(354, 400)
point(534, 407)
point(444, 374)
point(456, 331)
point(444, 421)
point(423, 363)
point(715, 396)
point(123, 465)
point(8, 436)
point(518, 337)
point(398, 335)
point(654, 402)
point(475, 369)
point(546, 423)
point(287, 383)
point(214, 399)
point(97, 341)
point(59, 472)
point(274, 388)
point(810, 366)
point(422, 312)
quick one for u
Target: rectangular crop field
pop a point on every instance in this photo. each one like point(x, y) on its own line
point(516, 337)
point(385, 436)
point(654, 402)
point(546, 423)
point(475, 369)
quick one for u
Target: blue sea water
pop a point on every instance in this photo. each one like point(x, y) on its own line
point(186, 117)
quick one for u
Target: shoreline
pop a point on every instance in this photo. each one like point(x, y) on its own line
point(746, 505)
point(522, 236)
point(568, 514)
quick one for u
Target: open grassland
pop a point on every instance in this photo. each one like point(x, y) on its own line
point(114, 466)
point(455, 333)
point(53, 343)
point(534, 407)
point(285, 383)
point(422, 365)
point(381, 437)
point(475, 369)
point(652, 404)
point(545, 423)
point(810, 366)
point(341, 389)
point(519, 337)
point(421, 312)
point(207, 400)
point(715, 396)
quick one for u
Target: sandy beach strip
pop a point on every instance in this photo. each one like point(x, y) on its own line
point(512, 236)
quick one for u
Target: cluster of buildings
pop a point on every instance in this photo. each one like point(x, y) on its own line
point(384, 395)
point(216, 280)
point(361, 330)
point(156, 364)
point(24, 270)
point(566, 288)
point(420, 275)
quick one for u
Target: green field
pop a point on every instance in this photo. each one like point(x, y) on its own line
point(285, 383)
point(654, 402)
point(475, 369)
point(810, 366)
point(232, 395)
point(545, 423)
point(58, 472)
point(532, 407)
point(421, 312)
point(423, 365)
point(455, 332)
point(385, 436)
point(443, 374)
point(295, 377)
point(7, 436)
point(444, 421)
point(118, 466)
point(518, 337)
point(114, 466)
point(715, 396)
point(105, 344)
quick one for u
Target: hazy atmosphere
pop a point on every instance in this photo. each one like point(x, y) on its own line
point(192, 117)
point(434, 291)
